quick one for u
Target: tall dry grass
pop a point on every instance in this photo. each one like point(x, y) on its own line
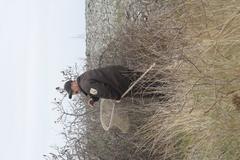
point(202, 117)
point(196, 47)
point(193, 108)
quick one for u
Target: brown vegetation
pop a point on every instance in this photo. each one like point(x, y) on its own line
point(195, 45)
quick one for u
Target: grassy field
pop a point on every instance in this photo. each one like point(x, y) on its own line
point(195, 44)
point(206, 126)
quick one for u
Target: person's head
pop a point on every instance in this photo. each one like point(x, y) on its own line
point(72, 88)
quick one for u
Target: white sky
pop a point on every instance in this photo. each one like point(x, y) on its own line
point(36, 43)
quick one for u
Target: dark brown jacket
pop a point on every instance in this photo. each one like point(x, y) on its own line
point(109, 82)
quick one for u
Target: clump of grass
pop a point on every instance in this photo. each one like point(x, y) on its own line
point(194, 136)
point(206, 124)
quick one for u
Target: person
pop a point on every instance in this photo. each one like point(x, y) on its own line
point(108, 82)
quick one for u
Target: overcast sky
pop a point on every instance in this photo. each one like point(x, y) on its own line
point(36, 43)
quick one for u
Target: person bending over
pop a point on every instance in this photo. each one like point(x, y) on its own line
point(109, 82)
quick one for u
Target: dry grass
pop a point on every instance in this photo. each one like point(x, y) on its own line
point(206, 124)
point(196, 47)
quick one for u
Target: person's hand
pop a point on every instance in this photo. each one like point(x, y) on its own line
point(91, 102)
